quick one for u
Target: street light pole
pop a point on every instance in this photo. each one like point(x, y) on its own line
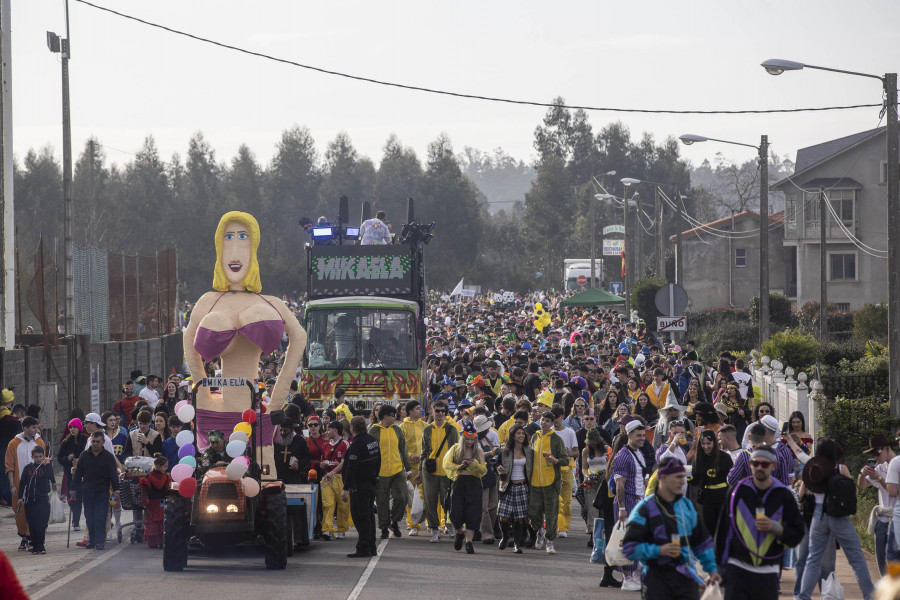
point(594, 233)
point(889, 83)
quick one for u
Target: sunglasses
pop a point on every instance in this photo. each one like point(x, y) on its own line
point(312, 424)
point(761, 464)
point(440, 412)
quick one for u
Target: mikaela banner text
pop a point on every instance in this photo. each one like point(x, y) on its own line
point(613, 247)
point(338, 270)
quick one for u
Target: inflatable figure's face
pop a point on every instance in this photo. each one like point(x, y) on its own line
point(236, 252)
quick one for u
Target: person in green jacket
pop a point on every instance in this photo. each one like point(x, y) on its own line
point(465, 465)
point(546, 481)
point(395, 470)
point(437, 439)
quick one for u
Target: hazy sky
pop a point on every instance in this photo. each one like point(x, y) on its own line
point(129, 80)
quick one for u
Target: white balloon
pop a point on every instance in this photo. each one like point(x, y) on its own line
point(185, 413)
point(251, 487)
point(235, 448)
point(184, 437)
point(239, 435)
point(235, 470)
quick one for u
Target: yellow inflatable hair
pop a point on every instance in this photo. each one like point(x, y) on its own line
point(251, 282)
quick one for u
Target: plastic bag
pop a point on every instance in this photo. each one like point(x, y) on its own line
point(417, 510)
point(713, 592)
point(832, 589)
point(57, 511)
point(410, 492)
point(597, 555)
point(613, 552)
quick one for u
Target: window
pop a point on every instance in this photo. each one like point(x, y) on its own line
point(843, 267)
point(354, 338)
point(843, 306)
point(790, 210)
point(842, 204)
point(884, 171)
point(740, 257)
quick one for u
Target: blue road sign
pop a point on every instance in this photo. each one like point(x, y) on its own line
point(615, 287)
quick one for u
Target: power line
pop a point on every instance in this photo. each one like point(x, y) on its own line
point(460, 94)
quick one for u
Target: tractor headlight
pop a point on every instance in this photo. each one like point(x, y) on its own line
point(212, 509)
point(232, 508)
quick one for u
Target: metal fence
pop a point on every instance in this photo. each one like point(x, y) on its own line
point(854, 385)
point(91, 292)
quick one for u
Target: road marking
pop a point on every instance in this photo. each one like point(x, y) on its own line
point(91, 565)
point(363, 578)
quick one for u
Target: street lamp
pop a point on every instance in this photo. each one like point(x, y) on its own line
point(660, 237)
point(763, 152)
point(776, 66)
point(594, 234)
point(625, 204)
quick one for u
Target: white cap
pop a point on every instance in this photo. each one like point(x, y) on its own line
point(770, 422)
point(93, 418)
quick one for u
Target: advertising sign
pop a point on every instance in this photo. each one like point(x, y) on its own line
point(613, 247)
point(361, 270)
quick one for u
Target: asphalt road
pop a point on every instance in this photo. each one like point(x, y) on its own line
point(405, 567)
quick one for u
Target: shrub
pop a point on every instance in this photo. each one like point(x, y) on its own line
point(871, 322)
point(737, 338)
point(643, 299)
point(700, 320)
point(808, 316)
point(793, 348)
point(832, 354)
point(780, 315)
point(854, 421)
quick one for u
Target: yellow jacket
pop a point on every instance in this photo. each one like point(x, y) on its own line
point(503, 432)
point(392, 446)
point(434, 446)
point(451, 464)
point(412, 431)
point(547, 474)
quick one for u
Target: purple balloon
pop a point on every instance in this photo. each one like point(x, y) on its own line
point(186, 450)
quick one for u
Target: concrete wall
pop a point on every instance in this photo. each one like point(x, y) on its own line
point(707, 260)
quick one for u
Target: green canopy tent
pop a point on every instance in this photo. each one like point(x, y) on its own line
point(592, 297)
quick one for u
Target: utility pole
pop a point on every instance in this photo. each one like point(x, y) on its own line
point(823, 270)
point(893, 235)
point(593, 242)
point(639, 241)
point(764, 239)
point(7, 228)
point(679, 274)
point(660, 236)
point(626, 261)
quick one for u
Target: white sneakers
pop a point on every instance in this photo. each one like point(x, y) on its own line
point(539, 542)
point(563, 534)
point(451, 530)
point(435, 537)
point(550, 548)
point(413, 532)
point(632, 584)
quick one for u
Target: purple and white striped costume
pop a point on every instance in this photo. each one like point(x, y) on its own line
point(625, 467)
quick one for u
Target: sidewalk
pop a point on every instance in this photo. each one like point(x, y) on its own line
point(32, 569)
point(844, 574)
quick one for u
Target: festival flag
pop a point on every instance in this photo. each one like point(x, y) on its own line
point(458, 289)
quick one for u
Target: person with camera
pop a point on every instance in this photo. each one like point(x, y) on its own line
point(438, 437)
point(875, 474)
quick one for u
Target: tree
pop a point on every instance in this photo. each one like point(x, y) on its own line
point(346, 174)
point(90, 195)
point(399, 177)
point(39, 199)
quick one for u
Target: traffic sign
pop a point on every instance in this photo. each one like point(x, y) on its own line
point(671, 300)
point(671, 324)
point(581, 280)
point(615, 287)
point(223, 382)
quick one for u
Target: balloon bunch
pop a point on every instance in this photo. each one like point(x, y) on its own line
point(183, 472)
point(237, 445)
point(541, 317)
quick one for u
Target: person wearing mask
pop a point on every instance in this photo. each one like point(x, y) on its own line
point(465, 465)
point(95, 474)
point(664, 533)
point(70, 449)
point(546, 481)
point(760, 521)
point(437, 438)
point(362, 465)
point(630, 470)
point(395, 470)
point(413, 427)
point(333, 485)
point(18, 456)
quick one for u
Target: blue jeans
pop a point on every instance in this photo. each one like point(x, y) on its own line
point(881, 540)
point(823, 528)
point(827, 565)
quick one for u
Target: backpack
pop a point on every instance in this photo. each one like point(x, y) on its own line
point(840, 496)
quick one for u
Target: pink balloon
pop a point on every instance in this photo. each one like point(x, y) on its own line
point(180, 472)
point(245, 460)
point(180, 404)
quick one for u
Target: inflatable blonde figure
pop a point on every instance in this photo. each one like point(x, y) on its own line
point(236, 323)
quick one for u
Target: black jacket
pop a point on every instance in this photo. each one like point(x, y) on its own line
point(35, 482)
point(296, 449)
point(362, 463)
point(95, 473)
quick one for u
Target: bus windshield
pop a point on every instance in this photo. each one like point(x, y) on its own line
point(354, 338)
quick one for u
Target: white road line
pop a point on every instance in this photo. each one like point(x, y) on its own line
point(105, 556)
point(363, 578)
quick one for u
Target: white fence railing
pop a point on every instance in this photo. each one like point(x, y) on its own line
point(785, 393)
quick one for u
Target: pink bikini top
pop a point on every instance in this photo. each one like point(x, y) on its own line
point(265, 334)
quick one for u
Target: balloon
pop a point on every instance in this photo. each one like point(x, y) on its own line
point(184, 437)
point(181, 472)
point(243, 427)
point(262, 407)
point(251, 486)
point(235, 448)
point(235, 470)
point(186, 450)
point(245, 460)
point(186, 413)
point(312, 475)
point(188, 460)
point(239, 435)
point(187, 487)
point(180, 404)
point(249, 416)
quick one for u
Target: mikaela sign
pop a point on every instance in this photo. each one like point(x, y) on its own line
point(613, 247)
point(671, 323)
point(353, 270)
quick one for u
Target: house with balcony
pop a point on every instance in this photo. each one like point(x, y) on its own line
point(851, 173)
point(721, 260)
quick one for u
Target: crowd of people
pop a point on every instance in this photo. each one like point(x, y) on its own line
point(518, 429)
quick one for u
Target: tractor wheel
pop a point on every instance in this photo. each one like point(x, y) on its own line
point(289, 536)
point(275, 530)
point(176, 533)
